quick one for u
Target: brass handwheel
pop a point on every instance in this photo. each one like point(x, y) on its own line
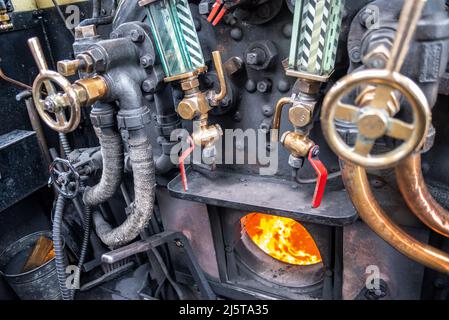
point(374, 111)
point(53, 109)
point(375, 120)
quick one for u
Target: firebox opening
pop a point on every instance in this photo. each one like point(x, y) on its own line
point(281, 238)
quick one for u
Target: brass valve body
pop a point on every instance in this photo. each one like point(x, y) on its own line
point(297, 144)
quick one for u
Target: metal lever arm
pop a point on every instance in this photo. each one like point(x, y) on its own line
point(322, 174)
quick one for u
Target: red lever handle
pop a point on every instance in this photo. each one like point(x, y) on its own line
point(219, 16)
point(182, 168)
point(214, 11)
point(321, 172)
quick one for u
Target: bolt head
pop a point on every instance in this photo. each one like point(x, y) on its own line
point(146, 61)
point(264, 86)
point(187, 109)
point(252, 58)
point(372, 123)
point(300, 116)
point(137, 36)
point(149, 86)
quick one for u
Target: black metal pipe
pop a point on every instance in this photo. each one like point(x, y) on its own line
point(97, 19)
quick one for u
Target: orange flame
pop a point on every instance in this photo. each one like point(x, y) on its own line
point(282, 238)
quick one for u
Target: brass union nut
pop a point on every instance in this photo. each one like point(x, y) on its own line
point(190, 84)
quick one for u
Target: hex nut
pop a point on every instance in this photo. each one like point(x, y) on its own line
point(98, 59)
point(190, 84)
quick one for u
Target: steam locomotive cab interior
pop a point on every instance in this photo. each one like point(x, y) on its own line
point(224, 149)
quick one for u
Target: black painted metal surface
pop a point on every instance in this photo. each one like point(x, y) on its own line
point(265, 194)
point(22, 169)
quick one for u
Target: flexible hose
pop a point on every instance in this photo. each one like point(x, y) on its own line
point(59, 248)
point(113, 162)
point(141, 157)
point(65, 144)
point(83, 252)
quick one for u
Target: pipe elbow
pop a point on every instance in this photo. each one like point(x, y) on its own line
point(417, 196)
point(357, 185)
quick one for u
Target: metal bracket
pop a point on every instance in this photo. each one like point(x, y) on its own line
point(157, 240)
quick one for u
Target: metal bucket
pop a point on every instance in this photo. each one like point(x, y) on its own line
point(40, 283)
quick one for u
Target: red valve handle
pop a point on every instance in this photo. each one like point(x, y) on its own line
point(182, 168)
point(218, 11)
point(215, 8)
point(321, 171)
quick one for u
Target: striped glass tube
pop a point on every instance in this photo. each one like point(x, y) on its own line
point(175, 36)
point(316, 31)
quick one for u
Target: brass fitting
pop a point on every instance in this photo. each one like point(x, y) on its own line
point(195, 102)
point(300, 114)
point(206, 135)
point(90, 90)
point(88, 31)
point(71, 99)
point(213, 97)
point(297, 144)
point(83, 63)
point(5, 23)
point(68, 67)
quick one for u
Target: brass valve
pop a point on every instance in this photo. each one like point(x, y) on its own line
point(206, 135)
point(53, 108)
point(197, 104)
point(297, 144)
point(83, 63)
point(374, 110)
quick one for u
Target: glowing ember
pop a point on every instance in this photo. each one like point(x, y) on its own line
point(282, 238)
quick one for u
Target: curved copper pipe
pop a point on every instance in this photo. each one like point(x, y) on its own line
point(276, 125)
point(414, 190)
point(359, 190)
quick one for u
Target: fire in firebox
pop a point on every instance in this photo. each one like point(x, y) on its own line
point(282, 238)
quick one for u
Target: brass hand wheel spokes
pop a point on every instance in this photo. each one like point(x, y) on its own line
point(373, 122)
point(52, 108)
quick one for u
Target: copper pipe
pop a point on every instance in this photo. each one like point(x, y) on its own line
point(357, 185)
point(14, 82)
point(414, 190)
point(276, 125)
point(220, 74)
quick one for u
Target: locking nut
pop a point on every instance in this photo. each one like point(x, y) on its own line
point(260, 55)
point(93, 89)
point(307, 86)
point(190, 84)
point(99, 62)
